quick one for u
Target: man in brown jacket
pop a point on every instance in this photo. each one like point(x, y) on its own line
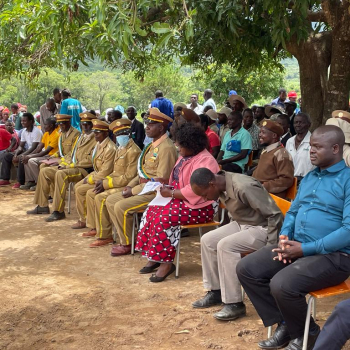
point(72, 168)
point(275, 169)
point(155, 164)
point(124, 169)
point(102, 159)
point(257, 221)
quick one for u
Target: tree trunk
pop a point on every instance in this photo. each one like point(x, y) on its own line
point(337, 96)
point(313, 56)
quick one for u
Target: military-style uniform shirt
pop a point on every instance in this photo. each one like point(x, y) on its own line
point(248, 202)
point(158, 162)
point(67, 141)
point(81, 155)
point(102, 160)
point(275, 169)
point(124, 166)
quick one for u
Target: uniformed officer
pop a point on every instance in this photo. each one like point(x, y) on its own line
point(125, 169)
point(102, 161)
point(68, 136)
point(72, 168)
point(155, 164)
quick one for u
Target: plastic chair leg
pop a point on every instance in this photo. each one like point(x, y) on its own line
point(243, 293)
point(177, 264)
point(307, 321)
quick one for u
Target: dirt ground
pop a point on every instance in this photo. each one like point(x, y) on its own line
point(57, 293)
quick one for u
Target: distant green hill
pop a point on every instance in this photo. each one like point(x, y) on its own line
point(292, 74)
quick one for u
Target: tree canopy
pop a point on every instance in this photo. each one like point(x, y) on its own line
point(141, 35)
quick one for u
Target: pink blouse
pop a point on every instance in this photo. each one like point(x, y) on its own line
point(202, 160)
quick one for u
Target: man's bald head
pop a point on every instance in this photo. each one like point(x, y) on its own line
point(327, 144)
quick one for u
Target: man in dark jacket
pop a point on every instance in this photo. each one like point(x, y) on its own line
point(137, 131)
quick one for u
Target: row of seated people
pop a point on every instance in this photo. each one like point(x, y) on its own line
point(271, 278)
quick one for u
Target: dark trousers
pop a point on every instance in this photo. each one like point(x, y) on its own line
point(6, 168)
point(336, 330)
point(278, 290)
point(232, 168)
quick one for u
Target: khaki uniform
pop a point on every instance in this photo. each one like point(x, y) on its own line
point(103, 166)
point(75, 167)
point(125, 169)
point(157, 163)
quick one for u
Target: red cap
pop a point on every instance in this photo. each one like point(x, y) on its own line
point(292, 94)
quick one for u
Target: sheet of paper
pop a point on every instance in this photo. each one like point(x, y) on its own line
point(160, 200)
point(150, 187)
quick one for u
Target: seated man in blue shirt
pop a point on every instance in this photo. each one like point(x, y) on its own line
point(313, 250)
point(236, 145)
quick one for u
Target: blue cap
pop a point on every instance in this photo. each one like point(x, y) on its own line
point(232, 92)
point(119, 108)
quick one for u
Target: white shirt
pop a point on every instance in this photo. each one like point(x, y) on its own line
point(209, 102)
point(198, 109)
point(29, 137)
point(301, 156)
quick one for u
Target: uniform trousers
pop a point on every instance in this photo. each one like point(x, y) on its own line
point(121, 212)
point(61, 180)
point(32, 168)
point(336, 330)
point(97, 214)
point(221, 252)
point(278, 290)
point(80, 190)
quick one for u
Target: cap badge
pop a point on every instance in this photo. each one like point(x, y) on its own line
point(118, 123)
point(264, 123)
point(341, 114)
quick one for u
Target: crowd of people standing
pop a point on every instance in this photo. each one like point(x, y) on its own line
point(175, 166)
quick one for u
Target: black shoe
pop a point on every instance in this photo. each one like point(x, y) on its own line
point(39, 210)
point(155, 279)
point(212, 298)
point(297, 343)
point(56, 216)
point(149, 269)
point(279, 340)
point(185, 233)
point(231, 311)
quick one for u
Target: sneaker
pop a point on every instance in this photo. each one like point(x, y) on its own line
point(16, 185)
point(33, 188)
point(4, 182)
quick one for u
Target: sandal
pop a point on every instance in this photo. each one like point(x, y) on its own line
point(154, 278)
point(149, 269)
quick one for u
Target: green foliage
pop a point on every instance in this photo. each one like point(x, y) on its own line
point(101, 89)
point(139, 35)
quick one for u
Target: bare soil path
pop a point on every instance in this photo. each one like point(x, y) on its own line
point(57, 293)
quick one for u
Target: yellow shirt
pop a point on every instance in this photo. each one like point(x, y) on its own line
point(51, 140)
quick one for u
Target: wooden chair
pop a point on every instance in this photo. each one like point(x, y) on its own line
point(292, 191)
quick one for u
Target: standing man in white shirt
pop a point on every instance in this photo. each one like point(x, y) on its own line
point(298, 146)
point(30, 138)
point(194, 105)
point(208, 99)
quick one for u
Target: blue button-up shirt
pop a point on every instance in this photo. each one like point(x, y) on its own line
point(319, 217)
